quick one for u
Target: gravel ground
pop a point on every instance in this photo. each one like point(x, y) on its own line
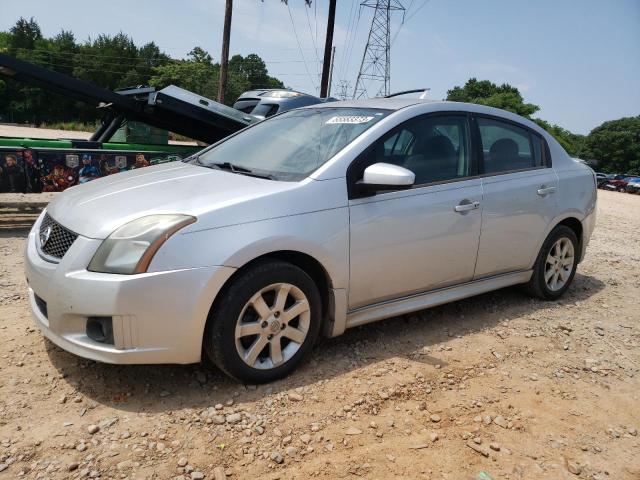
point(502, 384)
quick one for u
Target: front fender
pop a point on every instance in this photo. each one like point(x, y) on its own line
point(323, 235)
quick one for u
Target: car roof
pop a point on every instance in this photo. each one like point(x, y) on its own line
point(395, 103)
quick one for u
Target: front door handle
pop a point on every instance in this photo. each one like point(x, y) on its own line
point(542, 191)
point(465, 207)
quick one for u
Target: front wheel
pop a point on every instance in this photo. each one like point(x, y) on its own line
point(265, 322)
point(556, 264)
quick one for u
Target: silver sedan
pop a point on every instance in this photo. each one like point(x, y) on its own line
point(308, 223)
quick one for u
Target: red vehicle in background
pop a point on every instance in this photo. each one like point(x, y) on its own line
point(618, 183)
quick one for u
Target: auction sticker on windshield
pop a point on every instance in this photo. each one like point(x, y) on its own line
point(349, 119)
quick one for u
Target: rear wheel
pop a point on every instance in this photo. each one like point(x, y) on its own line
point(265, 322)
point(556, 264)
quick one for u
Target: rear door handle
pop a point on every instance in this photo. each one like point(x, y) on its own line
point(546, 190)
point(465, 207)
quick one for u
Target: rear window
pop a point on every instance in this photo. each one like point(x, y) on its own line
point(507, 147)
point(246, 106)
point(265, 110)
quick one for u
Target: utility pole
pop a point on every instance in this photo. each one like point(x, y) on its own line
point(376, 60)
point(328, 44)
point(224, 57)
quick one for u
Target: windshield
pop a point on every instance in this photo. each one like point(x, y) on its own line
point(292, 145)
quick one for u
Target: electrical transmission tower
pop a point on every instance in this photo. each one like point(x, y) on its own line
point(343, 89)
point(375, 68)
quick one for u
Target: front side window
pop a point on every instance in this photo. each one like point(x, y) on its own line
point(292, 145)
point(434, 148)
point(507, 147)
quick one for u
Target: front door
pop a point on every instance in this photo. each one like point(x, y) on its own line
point(411, 241)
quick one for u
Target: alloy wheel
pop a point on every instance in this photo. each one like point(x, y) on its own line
point(559, 264)
point(272, 326)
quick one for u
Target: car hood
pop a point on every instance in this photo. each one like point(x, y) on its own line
point(97, 208)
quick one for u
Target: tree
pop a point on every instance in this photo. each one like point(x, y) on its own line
point(200, 55)
point(5, 42)
point(200, 75)
point(616, 145)
point(111, 62)
point(197, 74)
point(253, 69)
point(487, 93)
point(24, 35)
point(508, 98)
point(574, 144)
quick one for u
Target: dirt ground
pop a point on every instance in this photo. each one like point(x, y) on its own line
point(502, 384)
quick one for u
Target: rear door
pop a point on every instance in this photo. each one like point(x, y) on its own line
point(519, 195)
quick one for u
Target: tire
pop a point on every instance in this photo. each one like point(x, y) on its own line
point(236, 330)
point(541, 287)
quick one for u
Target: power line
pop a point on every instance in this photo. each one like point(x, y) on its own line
point(417, 10)
point(346, 40)
point(83, 54)
point(408, 18)
point(168, 59)
point(353, 40)
point(313, 41)
point(300, 47)
point(140, 61)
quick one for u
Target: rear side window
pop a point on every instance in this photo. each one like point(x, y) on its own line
point(507, 147)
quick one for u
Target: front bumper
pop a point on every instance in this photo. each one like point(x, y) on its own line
point(157, 317)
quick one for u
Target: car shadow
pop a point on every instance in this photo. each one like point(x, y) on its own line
point(164, 388)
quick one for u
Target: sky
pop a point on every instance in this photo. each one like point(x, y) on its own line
point(579, 60)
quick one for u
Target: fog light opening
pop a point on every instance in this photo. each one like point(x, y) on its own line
point(100, 329)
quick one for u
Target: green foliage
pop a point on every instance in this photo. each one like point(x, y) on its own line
point(508, 98)
point(200, 75)
point(573, 143)
point(5, 42)
point(24, 34)
point(484, 92)
point(616, 146)
point(111, 62)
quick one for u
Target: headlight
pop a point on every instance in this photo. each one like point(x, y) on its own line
point(130, 248)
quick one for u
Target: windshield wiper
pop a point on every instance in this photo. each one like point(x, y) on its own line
point(242, 170)
point(231, 167)
point(195, 158)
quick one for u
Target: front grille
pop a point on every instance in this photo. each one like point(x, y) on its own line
point(59, 239)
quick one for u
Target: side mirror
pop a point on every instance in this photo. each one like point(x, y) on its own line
point(385, 176)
